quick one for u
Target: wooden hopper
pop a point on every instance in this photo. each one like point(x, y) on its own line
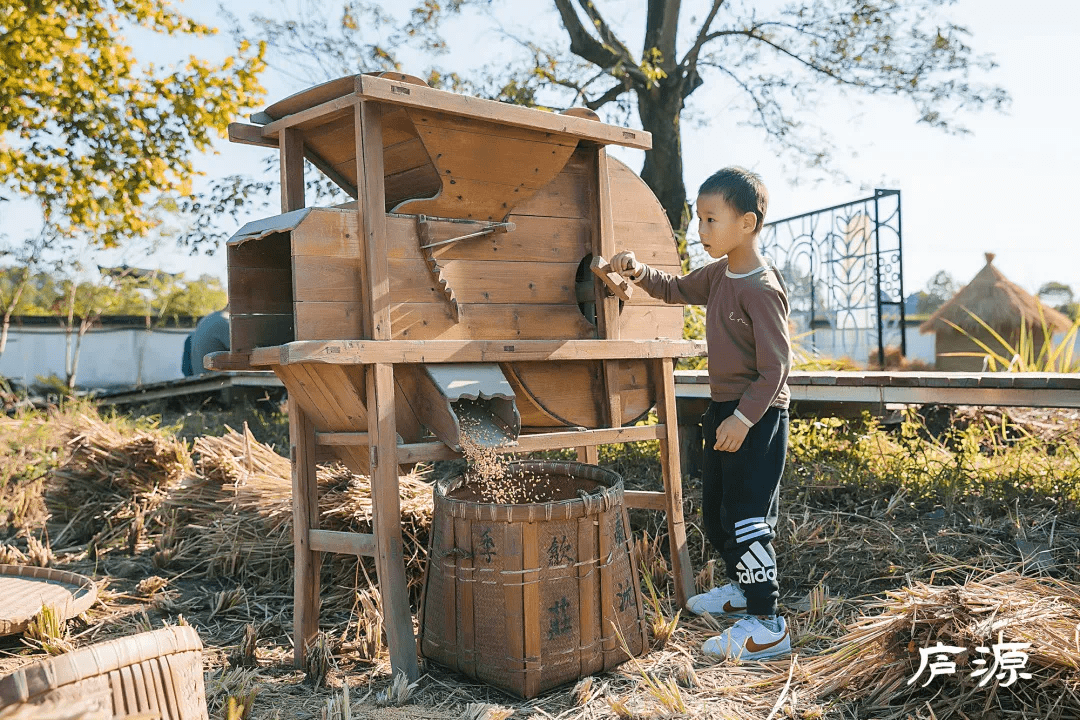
point(469, 242)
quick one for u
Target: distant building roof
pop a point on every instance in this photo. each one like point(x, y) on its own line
point(999, 302)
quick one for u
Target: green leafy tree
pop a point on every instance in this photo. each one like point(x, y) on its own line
point(95, 138)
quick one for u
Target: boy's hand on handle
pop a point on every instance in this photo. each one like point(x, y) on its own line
point(730, 434)
point(627, 265)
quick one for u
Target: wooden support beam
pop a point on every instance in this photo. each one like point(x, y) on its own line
point(607, 306)
point(291, 144)
point(360, 352)
point(432, 451)
point(645, 500)
point(588, 454)
point(386, 521)
point(343, 439)
point(305, 519)
point(372, 207)
point(398, 93)
point(311, 116)
point(344, 543)
point(669, 463)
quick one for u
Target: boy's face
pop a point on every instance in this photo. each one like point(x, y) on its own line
point(721, 227)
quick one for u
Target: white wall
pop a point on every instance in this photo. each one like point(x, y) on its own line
point(110, 357)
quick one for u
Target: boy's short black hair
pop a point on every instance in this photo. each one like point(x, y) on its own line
point(742, 189)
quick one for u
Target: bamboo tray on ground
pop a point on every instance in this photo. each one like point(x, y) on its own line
point(156, 674)
point(26, 589)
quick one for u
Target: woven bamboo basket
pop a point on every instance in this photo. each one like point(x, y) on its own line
point(25, 589)
point(156, 674)
point(527, 597)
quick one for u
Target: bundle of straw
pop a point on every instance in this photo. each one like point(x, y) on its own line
point(240, 505)
point(113, 476)
point(879, 654)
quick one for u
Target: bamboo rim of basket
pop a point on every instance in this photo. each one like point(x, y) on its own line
point(609, 494)
point(80, 600)
point(57, 672)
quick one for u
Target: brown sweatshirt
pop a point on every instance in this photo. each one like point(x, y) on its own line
point(746, 326)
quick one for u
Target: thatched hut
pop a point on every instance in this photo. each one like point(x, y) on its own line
point(1001, 304)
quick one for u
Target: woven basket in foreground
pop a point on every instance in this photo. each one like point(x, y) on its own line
point(153, 674)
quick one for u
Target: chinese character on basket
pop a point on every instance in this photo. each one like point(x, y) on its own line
point(1006, 661)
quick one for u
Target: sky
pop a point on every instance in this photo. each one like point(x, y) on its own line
point(1006, 188)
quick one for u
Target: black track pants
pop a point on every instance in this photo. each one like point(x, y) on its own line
point(740, 500)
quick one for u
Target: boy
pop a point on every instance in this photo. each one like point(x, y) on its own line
point(746, 425)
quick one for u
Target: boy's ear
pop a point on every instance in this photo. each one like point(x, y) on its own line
point(749, 222)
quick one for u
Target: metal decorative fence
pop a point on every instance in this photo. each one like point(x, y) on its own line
point(843, 267)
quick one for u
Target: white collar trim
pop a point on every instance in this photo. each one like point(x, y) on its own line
point(755, 271)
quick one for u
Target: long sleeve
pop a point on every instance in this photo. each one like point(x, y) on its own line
point(768, 313)
point(690, 289)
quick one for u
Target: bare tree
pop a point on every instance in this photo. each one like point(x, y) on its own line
point(26, 259)
point(780, 62)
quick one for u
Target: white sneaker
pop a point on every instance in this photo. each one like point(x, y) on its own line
point(725, 600)
point(749, 639)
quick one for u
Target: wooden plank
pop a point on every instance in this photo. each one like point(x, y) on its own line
point(247, 332)
point(681, 573)
point(312, 96)
point(369, 151)
point(260, 290)
point(310, 118)
point(465, 577)
point(343, 389)
point(566, 196)
point(306, 560)
point(386, 521)
point(431, 120)
point(495, 156)
point(419, 182)
point(588, 454)
point(453, 103)
point(299, 388)
point(353, 352)
point(319, 279)
point(226, 361)
point(588, 613)
point(343, 439)
point(344, 543)
point(328, 320)
point(291, 144)
point(271, 251)
point(534, 239)
point(609, 323)
point(645, 499)
point(514, 597)
point(435, 321)
point(430, 452)
point(492, 282)
point(531, 601)
point(608, 617)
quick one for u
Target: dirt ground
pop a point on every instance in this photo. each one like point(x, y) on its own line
point(841, 548)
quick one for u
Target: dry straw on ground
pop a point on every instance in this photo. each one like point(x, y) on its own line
point(240, 506)
point(876, 658)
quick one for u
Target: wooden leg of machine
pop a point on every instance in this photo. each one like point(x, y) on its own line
point(669, 461)
point(588, 454)
point(305, 518)
point(386, 509)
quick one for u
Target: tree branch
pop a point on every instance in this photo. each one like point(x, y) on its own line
point(661, 28)
point(582, 43)
point(610, 95)
point(605, 31)
point(690, 60)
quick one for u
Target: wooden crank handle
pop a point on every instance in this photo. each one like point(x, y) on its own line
point(621, 287)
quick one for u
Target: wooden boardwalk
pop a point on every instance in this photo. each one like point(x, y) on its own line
point(1050, 390)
